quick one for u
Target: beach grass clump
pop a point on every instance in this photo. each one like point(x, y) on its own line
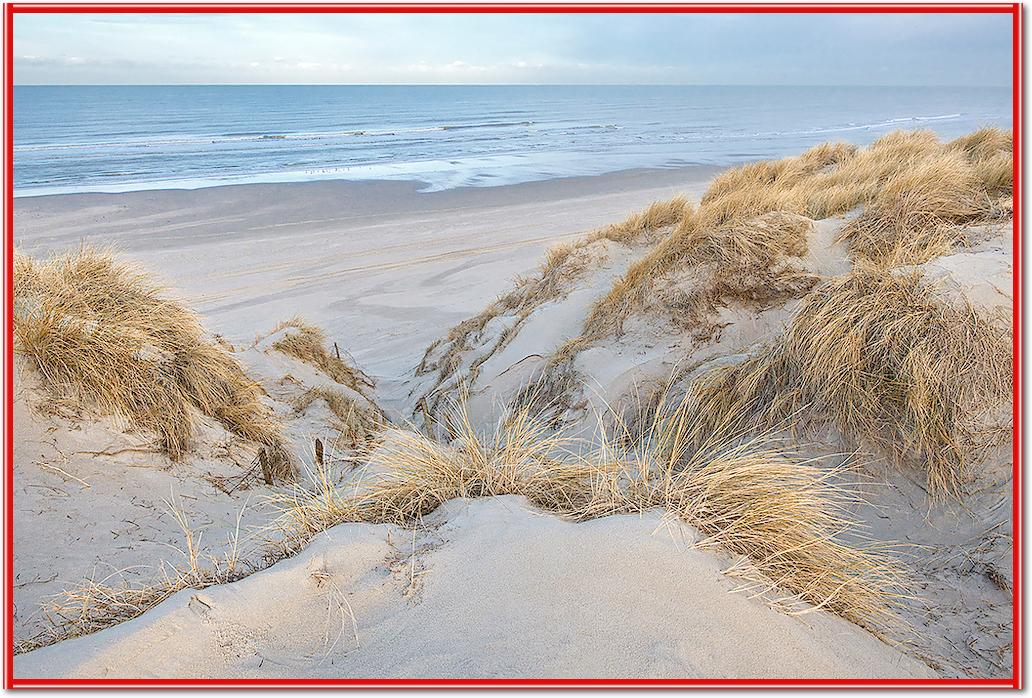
point(919, 214)
point(786, 516)
point(750, 263)
point(658, 215)
point(990, 151)
point(789, 518)
point(354, 422)
point(894, 365)
point(307, 343)
point(99, 330)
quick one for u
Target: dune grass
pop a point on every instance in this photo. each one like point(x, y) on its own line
point(563, 264)
point(788, 517)
point(893, 364)
point(919, 212)
point(101, 331)
point(353, 422)
point(307, 343)
point(787, 521)
point(658, 215)
point(917, 193)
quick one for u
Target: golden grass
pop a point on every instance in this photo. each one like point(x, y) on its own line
point(896, 367)
point(354, 422)
point(917, 192)
point(99, 330)
point(749, 263)
point(919, 213)
point(658, 215)
point(307, 343)
point(790, 518)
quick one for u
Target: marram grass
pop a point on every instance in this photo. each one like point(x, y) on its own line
point(101, 331)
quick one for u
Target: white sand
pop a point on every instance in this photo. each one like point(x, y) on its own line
point(382, 269)
point(101, 497)
point(489, 588)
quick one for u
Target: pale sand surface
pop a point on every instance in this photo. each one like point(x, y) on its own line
point(381, 268)
point(958, 553)
point(488, 588)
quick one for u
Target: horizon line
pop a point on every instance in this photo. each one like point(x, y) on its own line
point(491, 84)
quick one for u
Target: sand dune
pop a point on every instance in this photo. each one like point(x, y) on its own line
point(486, 588)
point(636, 410)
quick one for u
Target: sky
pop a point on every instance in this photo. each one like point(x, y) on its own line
point(721, 49)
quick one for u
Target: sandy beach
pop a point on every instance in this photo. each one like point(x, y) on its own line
point(381, 268)
point(511, 419)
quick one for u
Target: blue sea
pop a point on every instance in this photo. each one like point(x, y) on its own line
point(122, 138)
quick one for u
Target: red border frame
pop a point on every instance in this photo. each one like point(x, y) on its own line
point(1014, 9)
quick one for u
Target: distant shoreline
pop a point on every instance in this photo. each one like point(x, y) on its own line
point(124, 139)
point(617, 180)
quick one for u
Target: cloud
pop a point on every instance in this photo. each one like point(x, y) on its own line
point(740, 48)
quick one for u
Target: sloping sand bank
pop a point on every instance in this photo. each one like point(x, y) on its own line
point(489, 587)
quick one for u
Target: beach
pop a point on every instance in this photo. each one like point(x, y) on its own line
point(448, 433)
point(380, 266)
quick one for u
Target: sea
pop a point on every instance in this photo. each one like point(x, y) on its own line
point(124, 138)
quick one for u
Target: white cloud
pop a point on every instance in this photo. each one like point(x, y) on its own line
point(371, 48)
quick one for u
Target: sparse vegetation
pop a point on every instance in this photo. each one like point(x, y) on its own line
point(354, 422)
point(563, 265)
point(96, 604)
point(307, 343)
point(100, 331)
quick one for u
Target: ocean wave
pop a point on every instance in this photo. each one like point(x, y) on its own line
point(263, 136)
point(887, 123)
point(272, 137)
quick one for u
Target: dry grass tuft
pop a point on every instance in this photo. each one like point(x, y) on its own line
point(94, 605)
point(895, 366)
point(355, 423)
point(984, 144)
point(308, 344)
point(789, 518)
point(100, 330)
point(659, 215)
point(749, 263)
point(919, 213)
